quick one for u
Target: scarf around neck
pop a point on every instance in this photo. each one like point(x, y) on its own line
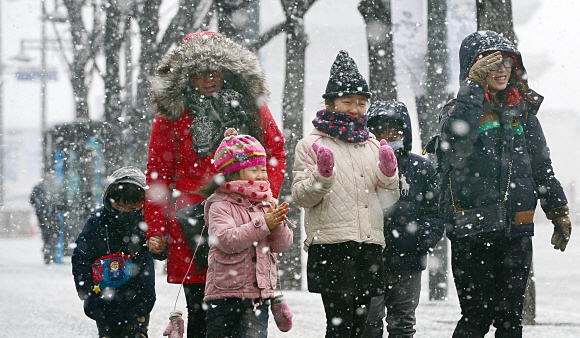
point(342, 126)
point(212, 116)
point(254, 191)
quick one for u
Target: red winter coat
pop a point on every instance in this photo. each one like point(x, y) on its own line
point(174, 170)
point(173, 164)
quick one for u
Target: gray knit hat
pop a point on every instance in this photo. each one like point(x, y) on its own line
point(130, 175)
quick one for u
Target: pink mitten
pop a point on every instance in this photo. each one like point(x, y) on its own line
point(176, 325)
point(324, 159)
point(387, 159)
point(282, 313)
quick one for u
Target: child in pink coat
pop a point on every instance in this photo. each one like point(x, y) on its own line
point(246, 228)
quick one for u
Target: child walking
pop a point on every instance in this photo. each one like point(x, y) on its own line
point(246, 229)
point(111, 264)
point(412, 225)
point(340, 172)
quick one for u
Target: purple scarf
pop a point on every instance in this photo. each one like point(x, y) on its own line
point(342, 126)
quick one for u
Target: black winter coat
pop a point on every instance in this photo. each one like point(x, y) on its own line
point(48, 199)
point(483, 140)
point(412, 225)
point(102, 235)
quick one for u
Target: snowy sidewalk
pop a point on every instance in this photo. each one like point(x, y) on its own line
point(40, 301)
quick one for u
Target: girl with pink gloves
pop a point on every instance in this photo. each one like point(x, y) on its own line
point(340, 174)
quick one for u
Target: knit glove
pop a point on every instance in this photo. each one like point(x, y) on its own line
point(324, 159)
point(483, 66)
point(282, 314)
point(562, 227)
point(387, 159)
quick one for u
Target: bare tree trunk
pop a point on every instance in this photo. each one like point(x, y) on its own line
point(141, 116)
point(428, 108)
point(113, 142)
point(85, 45)
point(293, 107)
point(496, 15)
point(377, 16)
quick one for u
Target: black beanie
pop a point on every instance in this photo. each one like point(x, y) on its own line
point(345, 79)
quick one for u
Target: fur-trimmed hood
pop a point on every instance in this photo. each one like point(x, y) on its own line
point(206, 52)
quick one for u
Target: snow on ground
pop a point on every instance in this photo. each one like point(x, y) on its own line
point(40, 301)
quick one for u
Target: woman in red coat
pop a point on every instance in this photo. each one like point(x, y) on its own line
point(206, 85)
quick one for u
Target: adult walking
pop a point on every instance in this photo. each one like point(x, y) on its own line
point(496, 167)
point(48, 200)
point(207, 84)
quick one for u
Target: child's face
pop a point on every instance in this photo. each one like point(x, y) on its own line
point(255, 173)
point(127, 207)
point(207, 83)
point(391, 133)
point(355, 105)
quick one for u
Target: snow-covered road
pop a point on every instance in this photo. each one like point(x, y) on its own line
point(40, 301)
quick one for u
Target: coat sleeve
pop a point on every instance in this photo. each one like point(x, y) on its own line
point(276, 154)
point(431, 226)
point(83, 258)
point(550, 190)
point(308, 186)
point(230, 237)
point(161, 164)
point(460, 124)
point(281, 238)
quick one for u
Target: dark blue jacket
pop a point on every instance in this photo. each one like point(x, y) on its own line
point(482, 140)
point(102, 236)
point(412, 225)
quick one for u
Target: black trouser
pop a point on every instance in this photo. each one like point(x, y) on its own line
point(136, 328)
point(490, 276)
point(346, 315)
point(194, 294)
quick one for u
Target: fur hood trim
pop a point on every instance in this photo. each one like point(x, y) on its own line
point(205, 53)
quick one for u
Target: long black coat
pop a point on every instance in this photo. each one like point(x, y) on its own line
point(103, 235)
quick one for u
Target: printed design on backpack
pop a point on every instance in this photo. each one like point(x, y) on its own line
point(112, 271)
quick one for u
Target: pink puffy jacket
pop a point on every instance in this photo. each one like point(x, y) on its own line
point(241, 262)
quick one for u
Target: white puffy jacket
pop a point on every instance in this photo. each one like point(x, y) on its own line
point(346, 206)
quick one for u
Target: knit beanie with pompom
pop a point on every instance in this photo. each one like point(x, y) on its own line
point(238, 152)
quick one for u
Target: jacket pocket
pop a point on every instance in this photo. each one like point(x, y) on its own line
point(230, 271)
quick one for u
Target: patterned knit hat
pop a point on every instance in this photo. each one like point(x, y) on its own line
point(238, 152)
point(345, 79)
